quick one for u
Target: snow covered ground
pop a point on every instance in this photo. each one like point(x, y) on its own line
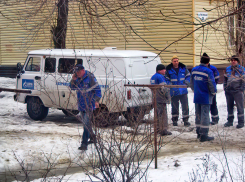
point(24, 141)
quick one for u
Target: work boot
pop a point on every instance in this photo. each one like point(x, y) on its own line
point(83, 147)
point(240, 125)
point(214, 123)
point(198, 136)
point(228, 124)
point(205, 138)
point(165, 132)
point(186, 123)
point(175, 123)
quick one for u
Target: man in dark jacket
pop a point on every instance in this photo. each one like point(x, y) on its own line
point(213, 107)
point(234, 85)
point(162, 99)
point(204, 88)
point(178, 74)
point(88, 96)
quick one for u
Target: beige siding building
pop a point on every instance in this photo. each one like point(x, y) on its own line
point(164, 27)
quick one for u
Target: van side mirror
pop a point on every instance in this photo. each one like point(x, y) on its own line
point(19, 67)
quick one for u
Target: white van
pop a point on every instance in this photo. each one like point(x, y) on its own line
point(47, 73)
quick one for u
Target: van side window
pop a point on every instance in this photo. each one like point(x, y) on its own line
point(33, 64)
point(66, 65)
point(50, 64)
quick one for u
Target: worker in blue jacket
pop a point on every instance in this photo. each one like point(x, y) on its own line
point(162, 99)
point(204, 88)
point(88, 96)
point(213, 107)
point(234, 85)
point(178, 74)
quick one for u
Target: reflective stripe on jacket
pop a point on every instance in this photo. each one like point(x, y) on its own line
point(88, 91)
point(203, 84)
point(180, 78)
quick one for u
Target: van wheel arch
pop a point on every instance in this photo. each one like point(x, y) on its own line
point(35, 108)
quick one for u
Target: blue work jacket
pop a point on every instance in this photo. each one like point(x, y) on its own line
point(234, 79)
point(162, 94)
point(203, 84)
point(180, 78)
point(216, 73)
point(88, 91)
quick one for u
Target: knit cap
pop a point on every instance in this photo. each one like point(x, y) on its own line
point(160, 67)
point(205, 58)
point(235, 58)
point(174, 57)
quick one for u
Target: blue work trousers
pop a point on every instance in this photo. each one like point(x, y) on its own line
point(214, 110)
point(202, 118)
point(86, 118)
point(238, 98)
point(183, 99)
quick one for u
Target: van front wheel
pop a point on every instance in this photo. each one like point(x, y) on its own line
point(35, 109)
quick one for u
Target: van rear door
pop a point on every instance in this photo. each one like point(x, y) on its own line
point(140, 95)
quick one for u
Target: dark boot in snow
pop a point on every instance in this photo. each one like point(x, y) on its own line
point(240, 125)
point(175, 123)
point(83, 147)
point(198, 136)
point(228, 124)
point(186, 123)
point(214, 122)
point(205, 138)
point(165, 132)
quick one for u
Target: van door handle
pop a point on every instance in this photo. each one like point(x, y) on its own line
point(37, 78)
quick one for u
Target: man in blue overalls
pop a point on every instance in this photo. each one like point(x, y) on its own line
point(88, 96)
point(178, 74)
point(204, 88)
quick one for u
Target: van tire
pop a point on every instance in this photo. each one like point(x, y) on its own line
point(136, 115)
point(132, 117)
point(35, 109)
point(70, 112)
point(103, 118)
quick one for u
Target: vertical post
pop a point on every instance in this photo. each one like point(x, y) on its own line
point(155, 125)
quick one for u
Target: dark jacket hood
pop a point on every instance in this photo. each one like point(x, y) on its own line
point(170, 66)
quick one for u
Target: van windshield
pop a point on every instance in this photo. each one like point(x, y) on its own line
point(66, 65)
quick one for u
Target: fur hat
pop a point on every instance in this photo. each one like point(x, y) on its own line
point(235, 58)
point(205, 58)
point(174, 57)
point(160, 67)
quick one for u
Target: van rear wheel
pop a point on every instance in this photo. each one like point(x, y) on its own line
point(136, 115)
point(35, 109)
point(103, 118)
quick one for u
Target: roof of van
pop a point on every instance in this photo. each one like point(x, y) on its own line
point(107, 52)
